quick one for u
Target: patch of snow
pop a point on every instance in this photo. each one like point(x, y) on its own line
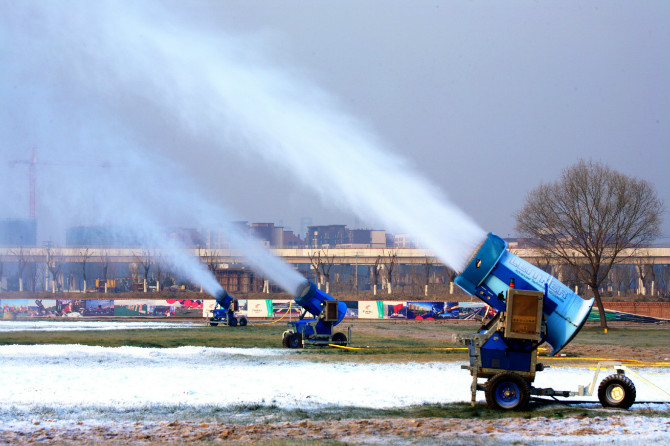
point(13, 326)
point(67, 383)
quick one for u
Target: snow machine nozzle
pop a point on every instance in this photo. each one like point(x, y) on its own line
point(316, 302)
point(223, 298)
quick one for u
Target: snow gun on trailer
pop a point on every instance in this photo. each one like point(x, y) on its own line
point(225, 314)
point(327, 313)
point(533, 308)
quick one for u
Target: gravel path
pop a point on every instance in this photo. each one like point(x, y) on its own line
point(620, 430)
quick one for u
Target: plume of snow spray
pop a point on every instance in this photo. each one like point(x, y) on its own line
point(164, 81)
point(94, 168)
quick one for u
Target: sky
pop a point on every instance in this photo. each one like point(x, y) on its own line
point(480, 101)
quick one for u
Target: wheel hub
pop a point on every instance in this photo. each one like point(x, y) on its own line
point(616, 393)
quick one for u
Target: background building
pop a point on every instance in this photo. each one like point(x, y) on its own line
point(18, 232)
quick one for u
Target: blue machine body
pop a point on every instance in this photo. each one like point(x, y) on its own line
point(224, 300)
point(312, 299)
point(503, 353)
point(493, 270)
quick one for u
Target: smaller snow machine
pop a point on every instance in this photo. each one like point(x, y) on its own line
point(226, 313)
point(318, 331)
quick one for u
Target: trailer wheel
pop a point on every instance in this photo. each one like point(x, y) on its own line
point(213, 324)
point(232, 321)
point(243, 322)
point(339, 339)
point(294, 340)
point(617, 391)
point(507, 391)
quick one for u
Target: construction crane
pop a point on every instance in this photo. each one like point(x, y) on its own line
point(32, 164)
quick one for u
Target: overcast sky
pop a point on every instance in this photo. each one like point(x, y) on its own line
point(483, 99)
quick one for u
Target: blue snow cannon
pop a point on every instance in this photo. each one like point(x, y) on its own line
point(532, 308)
point(225, 314)
point(327, 313)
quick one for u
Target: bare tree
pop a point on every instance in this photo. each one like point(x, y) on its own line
point(617, 278)
point(646, 275)
point(623, 276)
point(134, 270)
point(450, 276)
point(211, 260)
point(85, 254)
point(641, 268)
point(54, 265)
point(315, 260)
point(664, 279)
point(592, 218)
point(652, 278)
point(391, 260)
point(105, 262)
point(374, 271)
point(543, 262)
point(22, 261)
point(427, 266)
point(33, 275)
point(145, 261)
point(326, 264)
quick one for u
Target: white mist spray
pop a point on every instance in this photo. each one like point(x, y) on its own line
point(95, 166)
point(162, 80)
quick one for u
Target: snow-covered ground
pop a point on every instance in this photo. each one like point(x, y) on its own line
point(71, 376)
point(65, 325)
point(75, 383)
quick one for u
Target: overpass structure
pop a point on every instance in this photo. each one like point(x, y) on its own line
point(336, 256)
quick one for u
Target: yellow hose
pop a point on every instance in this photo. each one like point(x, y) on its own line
point(628, 362)
point(288, 310)
point(397, 348)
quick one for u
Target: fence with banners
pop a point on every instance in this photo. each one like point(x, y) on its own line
point(268, 308)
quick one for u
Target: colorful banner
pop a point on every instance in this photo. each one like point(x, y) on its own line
point(432, 310)
point(208, 306)
point(280, 307)
point(370, 309)
point(262, 308)
point(352, 309)
point(159, 308)
point(394, 309)
point(474, 311)
point(98, 308)
point(259, 308)
point(28, 307)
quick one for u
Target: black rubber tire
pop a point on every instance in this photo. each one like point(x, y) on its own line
point(339, 339)
point(617, 391)
point(284, 340)
point(243, 322)
point(507, 391)
point(232, 321)
point(294, 340)
point(213, 324)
